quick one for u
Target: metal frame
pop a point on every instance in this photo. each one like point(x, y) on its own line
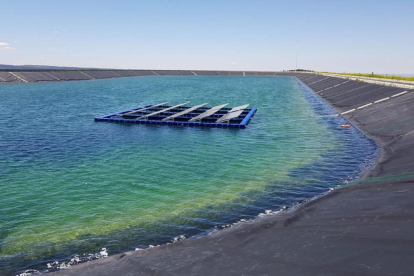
point(211, 122)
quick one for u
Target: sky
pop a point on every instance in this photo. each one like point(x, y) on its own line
point(337, 36)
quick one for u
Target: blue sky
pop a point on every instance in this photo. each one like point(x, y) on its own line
point(343, 36)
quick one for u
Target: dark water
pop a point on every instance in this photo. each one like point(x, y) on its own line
point(70, 185)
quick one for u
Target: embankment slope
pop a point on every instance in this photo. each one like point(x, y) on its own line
point(23, 76)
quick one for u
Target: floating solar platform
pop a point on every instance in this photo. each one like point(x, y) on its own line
point(184, 115)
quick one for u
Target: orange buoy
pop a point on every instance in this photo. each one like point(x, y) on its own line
point(345, 126)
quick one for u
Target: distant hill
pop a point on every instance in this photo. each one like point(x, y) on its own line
point(41, 67)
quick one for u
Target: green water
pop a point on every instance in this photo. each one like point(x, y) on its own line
point(71, 185)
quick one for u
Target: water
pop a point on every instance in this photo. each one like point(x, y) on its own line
point(70, 185)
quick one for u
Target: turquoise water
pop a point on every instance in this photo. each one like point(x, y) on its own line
point(70, 185)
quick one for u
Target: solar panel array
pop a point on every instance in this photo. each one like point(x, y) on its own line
point(183, 115)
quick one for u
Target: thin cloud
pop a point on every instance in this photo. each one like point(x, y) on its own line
point(5, 46)
point(59, 31)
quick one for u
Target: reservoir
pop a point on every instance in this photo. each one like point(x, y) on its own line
point(70, 185)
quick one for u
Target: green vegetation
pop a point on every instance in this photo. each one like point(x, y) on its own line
point(375, 76)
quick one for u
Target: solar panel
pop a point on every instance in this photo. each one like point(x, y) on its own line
point(238, 108)
point(141, 109)
point(230, 116)
point(161, 111)
point(207, 113)
point(184, 112)
point(233, 113)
